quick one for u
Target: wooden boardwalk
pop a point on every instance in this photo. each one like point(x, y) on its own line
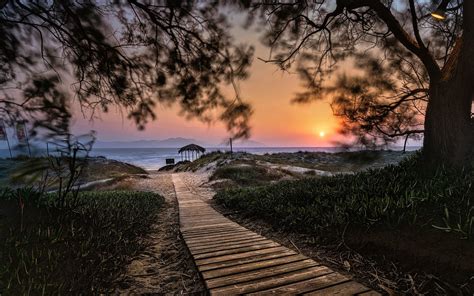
point(234, 260)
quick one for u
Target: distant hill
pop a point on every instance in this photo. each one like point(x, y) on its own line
point(166, 143)
point(248, 144)
point(173, 143)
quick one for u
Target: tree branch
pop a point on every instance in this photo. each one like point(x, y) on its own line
point(397, 30)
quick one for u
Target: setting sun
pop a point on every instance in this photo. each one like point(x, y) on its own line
point(322, 134)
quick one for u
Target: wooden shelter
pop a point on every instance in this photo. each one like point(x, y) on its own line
point(191, 152)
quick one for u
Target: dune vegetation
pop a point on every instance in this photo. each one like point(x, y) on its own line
point(392, 196)
point(422, 220)
point(13, 171)
point(81, 247)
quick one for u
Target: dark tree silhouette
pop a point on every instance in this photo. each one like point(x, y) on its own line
point(133, 54)
point(412, 77)
point(413, 74)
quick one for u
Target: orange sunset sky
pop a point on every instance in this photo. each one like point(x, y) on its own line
point(275, 122)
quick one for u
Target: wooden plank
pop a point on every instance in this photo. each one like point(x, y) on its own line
point(237, 256)
point(221, 233)
point(222, 238)
point(213, 229)
point(204, 226)
point(194, 225)
point(207, 226)
point(192, 216)
point(228, 245)
point(227, 241)
point(191, 224)
point(233, 248)
point(203, 208)
point(234, 279)
point(316, 283)
point(211, 221)
point(243, 261)
point(275, 281)
point(369, 293)
point(242, 266)
point(202, 217)
point(208, 219)
point(209, 230)
point(343, 289)
point(236, 251)
point(203, 243)
point(191, 202)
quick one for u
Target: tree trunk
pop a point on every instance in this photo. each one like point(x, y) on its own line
point(448, 130)
point(449, 133)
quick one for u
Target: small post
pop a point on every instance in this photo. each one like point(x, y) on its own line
point(9, 148)
point(230, 142)
point(3, 133)
point(27, 140)
point(405, 144)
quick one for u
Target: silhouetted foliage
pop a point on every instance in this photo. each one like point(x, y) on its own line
point(411, 72)
point(132, 54)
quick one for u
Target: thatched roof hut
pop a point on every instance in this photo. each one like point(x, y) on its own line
point(191, 152)
point(192, 147)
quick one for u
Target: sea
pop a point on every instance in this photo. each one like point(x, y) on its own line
point(155, 158)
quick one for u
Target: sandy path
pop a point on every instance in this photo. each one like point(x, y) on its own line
point(197, 183)
point(165, 267)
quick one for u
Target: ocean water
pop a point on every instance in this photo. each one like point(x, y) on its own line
point(154, 158)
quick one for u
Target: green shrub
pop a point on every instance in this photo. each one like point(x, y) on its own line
point(364, 156)
point(387, 197)
point(71, 251)
point(245, 175)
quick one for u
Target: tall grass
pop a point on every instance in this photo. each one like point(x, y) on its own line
point(388, 197)
point(71, 251)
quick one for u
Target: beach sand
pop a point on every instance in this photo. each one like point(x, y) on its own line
point(165, 266)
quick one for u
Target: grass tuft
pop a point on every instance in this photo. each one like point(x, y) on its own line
point(75, 251)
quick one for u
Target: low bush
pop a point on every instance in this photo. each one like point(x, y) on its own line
point(81, 250)
point(246, 175)
point(388, 197)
